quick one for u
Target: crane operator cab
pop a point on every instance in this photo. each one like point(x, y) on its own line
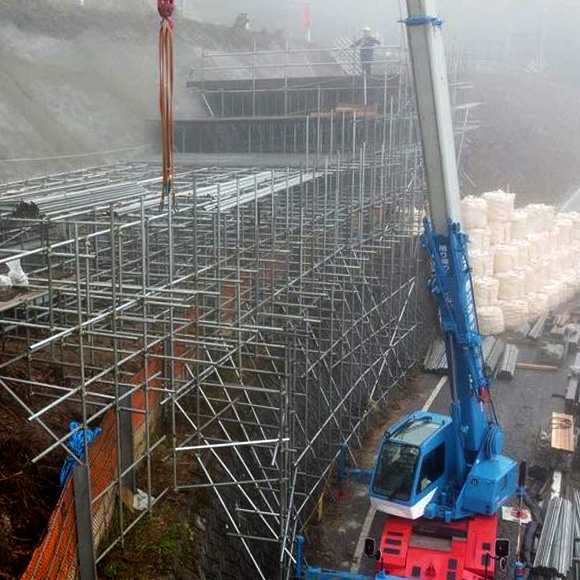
point(413, 463)
point(415, 472)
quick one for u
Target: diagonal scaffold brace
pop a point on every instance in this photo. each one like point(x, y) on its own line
point(166, 82)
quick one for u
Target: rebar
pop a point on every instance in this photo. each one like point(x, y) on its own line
point(555, 549)
point(538, 328)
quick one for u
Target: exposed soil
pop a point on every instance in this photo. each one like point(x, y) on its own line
point(28, 492)
point(528, 139)
point(80, 81)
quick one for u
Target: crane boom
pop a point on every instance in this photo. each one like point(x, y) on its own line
point(425, 37)
point(430, 465)
point(443, 240)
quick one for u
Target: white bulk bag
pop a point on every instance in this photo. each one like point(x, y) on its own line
point(565, 258)
point(524, 253)
point(500, 206)
point(473, 213)
point(546, 272)
point(479, 239)
point(536, 250)
point(531, 282)
point(540, 245)
point(481, 263)
point(500, 233)
point(490, 320)
point(574, 217)
point(554, 242)
point(533, 211)
point(511, 285)
point(575, 255)
point(541, 217)
point(571, 275)
point(515, 313)
point(537, 305)
point(486, 291)
point(505, 258)
point(565, 230)
point(519, 225)
point(545, 238)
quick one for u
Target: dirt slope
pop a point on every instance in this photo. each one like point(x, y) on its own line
point(76, 81)
point(529, 135)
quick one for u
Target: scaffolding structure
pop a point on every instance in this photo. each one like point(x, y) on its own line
point(260, 323)
point(296, 100)
point(311, 101)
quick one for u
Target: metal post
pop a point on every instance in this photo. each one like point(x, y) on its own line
point(84, 522)
point(126, 435)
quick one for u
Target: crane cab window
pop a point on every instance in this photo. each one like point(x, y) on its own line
point(396, 471)
point(418, 431)
point(432, 468)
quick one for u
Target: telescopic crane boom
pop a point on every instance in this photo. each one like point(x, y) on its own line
point(430, 465)
point(441, 478)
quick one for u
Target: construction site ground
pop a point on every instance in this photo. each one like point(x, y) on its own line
point(65, 107)
point(524, 406)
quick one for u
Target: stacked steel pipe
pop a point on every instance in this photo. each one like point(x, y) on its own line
point(554, 554)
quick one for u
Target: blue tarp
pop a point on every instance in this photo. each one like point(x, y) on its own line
point(77, 445)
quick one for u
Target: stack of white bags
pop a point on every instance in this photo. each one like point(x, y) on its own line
point(15, 277)
point(524, 261)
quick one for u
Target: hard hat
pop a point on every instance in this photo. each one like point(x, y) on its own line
point(367, 29)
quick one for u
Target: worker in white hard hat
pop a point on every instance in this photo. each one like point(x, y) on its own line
point(366, 44)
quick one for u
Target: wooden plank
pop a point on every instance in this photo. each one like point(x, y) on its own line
point(20, 299)
point(534, 367)
point(563, 432)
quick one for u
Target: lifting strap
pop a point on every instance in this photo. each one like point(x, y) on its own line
point(166, 78)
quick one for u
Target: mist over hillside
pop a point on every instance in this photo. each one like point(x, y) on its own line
point(520, 32)
point(74, 81)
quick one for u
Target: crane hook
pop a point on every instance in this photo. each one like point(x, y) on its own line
point(166, 8)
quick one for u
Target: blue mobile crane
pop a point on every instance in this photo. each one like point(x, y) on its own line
point(440, 479)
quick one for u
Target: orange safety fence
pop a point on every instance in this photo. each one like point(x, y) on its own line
point(55, 558)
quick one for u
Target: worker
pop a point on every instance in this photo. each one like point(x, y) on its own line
point(396, 471)
point(366, 45)
point(242, 22)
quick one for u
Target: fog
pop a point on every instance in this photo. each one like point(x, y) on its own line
point(529, 33)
